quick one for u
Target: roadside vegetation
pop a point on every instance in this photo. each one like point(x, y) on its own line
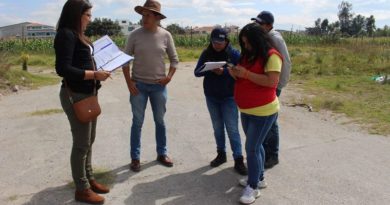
point(340, 79)
point(13, 76)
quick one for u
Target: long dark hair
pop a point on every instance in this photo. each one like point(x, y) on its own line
point(71, 15)
point(259, 40)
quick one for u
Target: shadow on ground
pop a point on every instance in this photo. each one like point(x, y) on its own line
point(201, 186)
point(65, 194)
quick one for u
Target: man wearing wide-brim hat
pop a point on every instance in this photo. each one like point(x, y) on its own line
point(153, 6)
point(148, 80)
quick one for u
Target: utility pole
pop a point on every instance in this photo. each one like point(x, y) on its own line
point(24, 35)
point(191, 35)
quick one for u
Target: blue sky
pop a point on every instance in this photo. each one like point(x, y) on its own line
point(289, 14)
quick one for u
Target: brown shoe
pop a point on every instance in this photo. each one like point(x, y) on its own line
point(88, 196)
point(98, 188)
point(165, 160)
point(135, 165)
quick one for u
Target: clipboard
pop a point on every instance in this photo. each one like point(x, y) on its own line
point(108, 56)
point(212, 65)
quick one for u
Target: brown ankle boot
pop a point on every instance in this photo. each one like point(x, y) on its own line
point(88, 196)
point(98, 188)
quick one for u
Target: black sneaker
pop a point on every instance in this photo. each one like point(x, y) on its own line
point(271, 162)
point(220, 159)
point(239, 166)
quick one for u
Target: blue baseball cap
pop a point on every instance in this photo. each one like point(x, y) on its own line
point(219, 35)
point(265, 17)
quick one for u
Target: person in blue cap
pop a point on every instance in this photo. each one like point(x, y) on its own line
point(271, 143)
point(218, 87)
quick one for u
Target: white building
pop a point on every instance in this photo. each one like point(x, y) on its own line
point(127, 26)
point(27, 30)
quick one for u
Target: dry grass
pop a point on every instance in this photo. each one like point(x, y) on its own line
point(102, 176)
point(4, 69)
point(46, 112)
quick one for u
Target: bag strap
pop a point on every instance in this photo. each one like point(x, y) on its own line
point(94, 83)
point(94, 79)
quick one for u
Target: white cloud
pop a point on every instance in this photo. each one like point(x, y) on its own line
point(174, 4)
point(300, 13)
point(308, 4)
point(363, 3)
point(378, 14)
point(8, 20)
point(48, 14)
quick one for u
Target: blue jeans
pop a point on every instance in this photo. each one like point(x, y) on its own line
point(256, 129)
point(158, 99)
point(224, 113)
point(271, 142)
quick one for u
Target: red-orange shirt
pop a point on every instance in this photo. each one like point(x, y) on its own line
point(250, 95)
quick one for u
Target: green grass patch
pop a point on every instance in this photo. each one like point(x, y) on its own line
point(11, 75)
point(103, 176)
point(339, 76)
point(336, 60)
point(358, 97)
point(189, 54)
point(26, 79)
point(42, 60)
point(46, 112)
point(13, 198)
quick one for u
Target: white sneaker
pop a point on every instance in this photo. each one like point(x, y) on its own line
point(261, 185)
point(249, 195)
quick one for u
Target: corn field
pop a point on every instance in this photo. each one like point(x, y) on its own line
point(31, 46)
point(45, 46)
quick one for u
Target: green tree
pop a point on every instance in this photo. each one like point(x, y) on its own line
point(325, 26)
point(101, 27)
point(345, 17)
point(334, 27)
point(358, 25)
point(383, 32)
point(316, 30)
point(175, 29)
point(370, 25)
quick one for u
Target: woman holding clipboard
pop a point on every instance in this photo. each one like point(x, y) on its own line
point(218, 87)
point(80, 81)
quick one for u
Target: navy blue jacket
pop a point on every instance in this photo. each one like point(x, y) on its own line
point(218, 86)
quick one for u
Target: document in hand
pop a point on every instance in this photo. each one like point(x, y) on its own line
point(108, 56)
point(212, 65)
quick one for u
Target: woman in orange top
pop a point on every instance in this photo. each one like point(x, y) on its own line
point(255, 93)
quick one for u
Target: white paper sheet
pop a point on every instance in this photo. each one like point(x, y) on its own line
point(108, 56)
point(212, 65)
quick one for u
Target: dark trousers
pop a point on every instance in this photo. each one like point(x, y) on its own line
point(83, 137)
point(271, 142)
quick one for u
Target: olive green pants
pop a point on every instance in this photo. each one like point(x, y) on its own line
point(83, 137)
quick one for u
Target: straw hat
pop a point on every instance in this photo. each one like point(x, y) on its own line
point(150, 5)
